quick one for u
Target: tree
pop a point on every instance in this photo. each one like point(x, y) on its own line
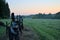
point(57, 15)
point(4, 9)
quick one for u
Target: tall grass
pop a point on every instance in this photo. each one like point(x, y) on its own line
point(47, 29)
point(2, 28)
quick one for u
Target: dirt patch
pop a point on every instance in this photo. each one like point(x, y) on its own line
point(28, 34)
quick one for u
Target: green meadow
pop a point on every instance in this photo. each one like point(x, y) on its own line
point(47, 29)
point(3, 28)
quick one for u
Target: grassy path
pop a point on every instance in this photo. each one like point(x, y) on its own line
point(27, 34)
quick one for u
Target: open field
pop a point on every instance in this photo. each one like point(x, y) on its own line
point(47, 29)
point(28, 33)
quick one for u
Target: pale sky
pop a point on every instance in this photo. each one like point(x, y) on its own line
point(26, 7)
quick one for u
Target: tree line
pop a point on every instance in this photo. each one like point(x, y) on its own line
point(4, 9)
point(44, 16)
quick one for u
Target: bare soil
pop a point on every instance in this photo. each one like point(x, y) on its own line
point(29, 34)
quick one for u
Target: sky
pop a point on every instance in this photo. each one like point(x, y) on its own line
point(27, 7)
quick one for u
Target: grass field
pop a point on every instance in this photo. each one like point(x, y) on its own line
point(47, 29)
point(3, 29)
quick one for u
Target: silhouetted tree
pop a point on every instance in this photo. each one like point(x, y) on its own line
point(45, 16)
point(4, 9)
point(57, 15)
point(49, 16)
